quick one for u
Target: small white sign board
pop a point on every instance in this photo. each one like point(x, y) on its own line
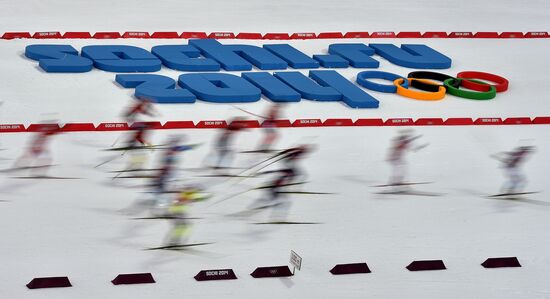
point(295, 260)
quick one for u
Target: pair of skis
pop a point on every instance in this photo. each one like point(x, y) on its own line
point(18, 169)
point(507, 195)
point(124, 150)
point(406, 191)
point(517, 195)
point(178, 247)
point(270, 187)
point(513, 195)
point(251, 212)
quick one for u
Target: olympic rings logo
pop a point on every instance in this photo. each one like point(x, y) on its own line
point(428, 90)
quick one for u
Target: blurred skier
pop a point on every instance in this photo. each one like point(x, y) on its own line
point(178, 215)
point(291, 156)
point(160, 195)
point(139, 108)
point(223, 149)
point(288, 175)
point(138, 137)
point(137, 145)
point(403, 143)
point(511, 162)
point(169, 162)
point(38, 152)
point(270, 127)
point(132, 115)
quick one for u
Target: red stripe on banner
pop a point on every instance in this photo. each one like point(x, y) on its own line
point(486, 35)
point(399, 122)
point(209, 124)
point(338, 122)
point(249, 35)
point(429, 122)
point(8, 128)
point(106, 35)
point(369, 122)
point(276, 36)
point(78, 127)
point(135, 34)
point(201, 35)
point(330, 35)
point(537, 34)
point(435, 34)
point(303, 35)
point(314, 122)
point(511, 35)
point(458, 121)
point(112, 127)
point(360, 34)
point(409, 34)
point(14, 35)
point(38, 127)
point(461, 35)
point(517, 121)
point(186, 124)
point(382, 34)
point(279, 123)
point(541, 120)
point(45, 35)
point(77, 35)
point(249, 124)
point(488, 121)
point(167, 34)
point(150, 124)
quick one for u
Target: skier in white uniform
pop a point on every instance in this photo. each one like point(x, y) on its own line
point(400, 146)
point(511, 163)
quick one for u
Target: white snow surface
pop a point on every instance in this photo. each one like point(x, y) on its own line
point(279, 16)
point(76, 228)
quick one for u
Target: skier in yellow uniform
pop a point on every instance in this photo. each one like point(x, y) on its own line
point(178, 214)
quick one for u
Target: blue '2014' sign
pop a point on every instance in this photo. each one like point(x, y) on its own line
point(208, 55)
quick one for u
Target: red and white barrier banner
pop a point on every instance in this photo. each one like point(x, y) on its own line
point(274, 36)
point(285, 123)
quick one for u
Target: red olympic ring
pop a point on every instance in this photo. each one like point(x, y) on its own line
point(501, 83)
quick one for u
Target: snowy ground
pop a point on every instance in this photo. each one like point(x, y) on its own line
point(280, 16)
point(75, 228)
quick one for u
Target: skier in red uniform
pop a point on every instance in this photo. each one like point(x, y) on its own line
point(270, 127)
point(132, 116)
point(139, 135)
point(141, 107)
point(224, 152)
point(38, 153)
